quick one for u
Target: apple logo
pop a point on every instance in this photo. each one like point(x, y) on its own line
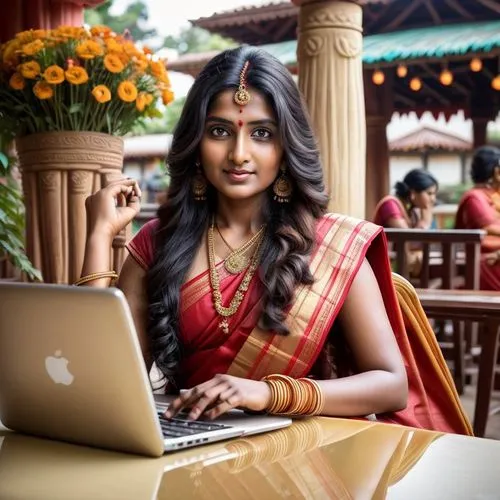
point(57, 368)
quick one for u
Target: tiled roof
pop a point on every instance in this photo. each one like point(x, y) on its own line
point(428, 138)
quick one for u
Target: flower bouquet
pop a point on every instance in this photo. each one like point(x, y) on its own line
point(74, 79)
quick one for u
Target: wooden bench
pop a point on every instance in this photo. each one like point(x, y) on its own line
point(444, 252)
point(471, 306)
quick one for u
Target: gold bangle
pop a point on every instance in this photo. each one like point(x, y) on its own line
point(318, 400)
point(95, 276)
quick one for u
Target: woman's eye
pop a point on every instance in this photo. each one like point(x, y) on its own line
point(218, 132)
point(262, 133)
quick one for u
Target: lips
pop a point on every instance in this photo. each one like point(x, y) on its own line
point(238, 175)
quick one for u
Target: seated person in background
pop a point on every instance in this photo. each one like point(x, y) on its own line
point(412, 205)
point(478, 209)
point(410, 208)
point(243, 285)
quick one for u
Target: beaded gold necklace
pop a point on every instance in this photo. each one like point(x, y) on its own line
point(232, 309)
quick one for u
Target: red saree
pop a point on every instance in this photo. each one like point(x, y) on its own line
point(390, 207)
point(251, 352)
point(477, 210)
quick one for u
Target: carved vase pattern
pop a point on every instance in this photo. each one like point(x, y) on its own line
point(59, 171)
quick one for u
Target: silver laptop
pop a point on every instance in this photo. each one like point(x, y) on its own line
point(71, 369)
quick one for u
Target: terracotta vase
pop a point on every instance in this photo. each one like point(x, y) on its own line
point(59, 171)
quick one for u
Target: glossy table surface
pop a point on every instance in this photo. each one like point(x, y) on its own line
point(315, 458)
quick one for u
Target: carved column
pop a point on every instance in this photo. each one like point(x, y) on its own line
point(379, 106)
point(331, 79)
point(59, 170)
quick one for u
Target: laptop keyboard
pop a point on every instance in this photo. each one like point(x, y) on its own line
point(180, 426)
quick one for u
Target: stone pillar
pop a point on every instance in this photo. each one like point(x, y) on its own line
point(379, 106)
point(329, 51)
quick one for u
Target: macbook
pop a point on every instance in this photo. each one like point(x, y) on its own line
point(71, 369)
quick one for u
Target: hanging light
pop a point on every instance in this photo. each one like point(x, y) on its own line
point(476, 64)
point(402, 71)
point(495, 83)
point(416, 84)
point(446, 77)
point(378, 77)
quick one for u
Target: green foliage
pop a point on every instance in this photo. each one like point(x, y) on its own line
point(131, 21)
point(12, 218)
point(193, 39)
point(164, 125)
point(452, 194)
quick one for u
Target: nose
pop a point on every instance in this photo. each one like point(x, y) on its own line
point(240, 153)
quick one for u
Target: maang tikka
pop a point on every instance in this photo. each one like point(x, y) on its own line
point(242, 96)
point(199, 185)
point(282, 187)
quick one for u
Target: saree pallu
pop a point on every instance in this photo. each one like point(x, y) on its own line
point(252, 352)
point(478, 209)
point(390, 207)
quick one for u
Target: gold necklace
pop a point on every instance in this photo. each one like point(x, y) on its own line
point(236, 301)
point(237, 260)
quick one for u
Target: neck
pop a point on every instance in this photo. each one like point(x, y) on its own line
point(241, 216)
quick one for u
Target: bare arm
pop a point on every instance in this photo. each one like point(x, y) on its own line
point(381, 386)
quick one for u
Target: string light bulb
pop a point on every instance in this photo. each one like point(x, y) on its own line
point(378, 77)
point(416, 84)
point(495, 83)
point(476, 64)
point(402, 71)
point(446, 77)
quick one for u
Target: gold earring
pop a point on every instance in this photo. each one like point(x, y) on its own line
point(282, 187)
point(199, 185)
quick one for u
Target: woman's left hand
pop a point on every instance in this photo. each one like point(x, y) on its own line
point(221, 394)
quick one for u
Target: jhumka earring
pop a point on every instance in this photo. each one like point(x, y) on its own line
point(282, 187)
point(199, 185)
point(242, 96)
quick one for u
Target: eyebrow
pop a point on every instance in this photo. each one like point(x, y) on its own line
point(264, 121)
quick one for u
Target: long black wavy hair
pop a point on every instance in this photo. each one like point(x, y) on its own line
point(290, 233)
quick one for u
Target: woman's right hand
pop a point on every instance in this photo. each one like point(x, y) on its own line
point(113, 207)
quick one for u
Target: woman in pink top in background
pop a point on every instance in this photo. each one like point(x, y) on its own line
point(412, 204)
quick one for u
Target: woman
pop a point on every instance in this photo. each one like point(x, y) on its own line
point(411, 207)
point(478, 209)
point(242, 284)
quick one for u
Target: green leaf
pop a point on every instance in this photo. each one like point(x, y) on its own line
point(75, 108)
point(4, 160)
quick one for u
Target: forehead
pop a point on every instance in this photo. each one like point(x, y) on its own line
point(224, 106)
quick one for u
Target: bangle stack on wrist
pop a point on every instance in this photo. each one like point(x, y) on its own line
point(291, 396)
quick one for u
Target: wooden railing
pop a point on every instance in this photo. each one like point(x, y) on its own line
point(444, 253)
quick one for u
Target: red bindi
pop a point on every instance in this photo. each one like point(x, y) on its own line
point(240, 123)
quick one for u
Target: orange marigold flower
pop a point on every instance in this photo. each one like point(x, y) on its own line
point(101, 93)
point(141, 102)
point(147, 50)
point(167, 96)
point(10, 55)
point(113, 63)
point(54, 74)
point(43, 90)
point(149, 98)
point(127, 91)
point(89, 49)
point(157, 68)
point(77, 75)
point(17, 81)
point(113, 46)
point(38, 34)
point(30, 70)
point(140, 64)
point(32, 48)
point(100, 30)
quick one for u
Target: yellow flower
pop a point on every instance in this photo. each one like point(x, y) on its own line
point(100, 30)
point(127, 91)
point(112, 45)
point(89, 49)
point(77, 75)
point(30, 70)
point(17, 81)
point(141, 64)
point(167, 96)
point(149, 98)
point(39, 34)
point(101, 94)
point(157, 68)
point(32, 48)
point(54, 74)
point(10, 55)
point(43, 90)
point(113, 63)
point(141, 102)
